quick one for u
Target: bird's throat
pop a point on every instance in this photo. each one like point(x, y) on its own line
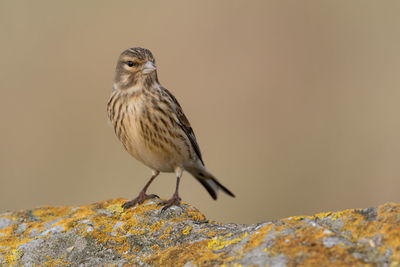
point(130, 85)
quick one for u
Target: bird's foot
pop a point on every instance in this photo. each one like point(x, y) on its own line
point(138, 200)
point(174, 200)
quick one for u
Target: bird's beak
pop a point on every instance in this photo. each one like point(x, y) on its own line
point(149, 67)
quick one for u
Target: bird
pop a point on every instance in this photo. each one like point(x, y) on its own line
point(151, 125)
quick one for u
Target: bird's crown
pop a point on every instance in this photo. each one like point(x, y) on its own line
point(138, 53)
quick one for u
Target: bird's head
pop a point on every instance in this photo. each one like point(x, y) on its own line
point(135, 68)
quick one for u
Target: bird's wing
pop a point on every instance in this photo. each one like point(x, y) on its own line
point(183, 122)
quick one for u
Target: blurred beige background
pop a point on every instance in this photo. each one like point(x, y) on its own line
point(295, 104)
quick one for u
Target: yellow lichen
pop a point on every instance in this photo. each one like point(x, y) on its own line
point(221, 242)
point(13, 256)
point(115, 208)
point(187, 230)
point(322, 215)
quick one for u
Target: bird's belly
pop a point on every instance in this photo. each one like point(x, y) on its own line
point(152, 152)
point(156, 160)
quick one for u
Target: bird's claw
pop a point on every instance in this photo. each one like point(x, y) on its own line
point(152, 196)
point(175, 200)
point(138, 200)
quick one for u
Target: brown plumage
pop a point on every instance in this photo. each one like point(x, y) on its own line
point(152, 127)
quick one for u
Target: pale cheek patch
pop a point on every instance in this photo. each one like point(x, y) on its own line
point(127, 68)
point(124, 78)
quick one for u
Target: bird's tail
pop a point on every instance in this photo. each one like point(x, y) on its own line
point(209, 182)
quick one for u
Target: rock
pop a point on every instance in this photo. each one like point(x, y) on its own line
point(104, 234)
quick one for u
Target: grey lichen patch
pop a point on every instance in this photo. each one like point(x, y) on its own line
point(52, 230)
point(369, 213)
point(5, 222)
point(88, 252)
point(29, 217)
point(49, 224)
point(331, 241)
point(279, 261)
point(21, 228)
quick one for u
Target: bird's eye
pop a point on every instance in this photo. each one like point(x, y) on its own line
point(131, 63)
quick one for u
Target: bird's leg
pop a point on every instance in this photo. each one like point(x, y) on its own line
point(175, 199)
point(142, 195)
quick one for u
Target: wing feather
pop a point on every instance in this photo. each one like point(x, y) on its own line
point(183, 122)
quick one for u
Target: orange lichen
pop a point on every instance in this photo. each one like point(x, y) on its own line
point(196, 215)
point(167, 231)
point(196, 253)
point(156, 226)
point(306, 242)
point(56, 262)
point(211, 233)
point(155, 247)
point(257, 238)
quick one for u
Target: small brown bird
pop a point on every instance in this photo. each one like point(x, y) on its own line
point(152, 127)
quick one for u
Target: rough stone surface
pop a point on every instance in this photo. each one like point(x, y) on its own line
point(104, 234)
